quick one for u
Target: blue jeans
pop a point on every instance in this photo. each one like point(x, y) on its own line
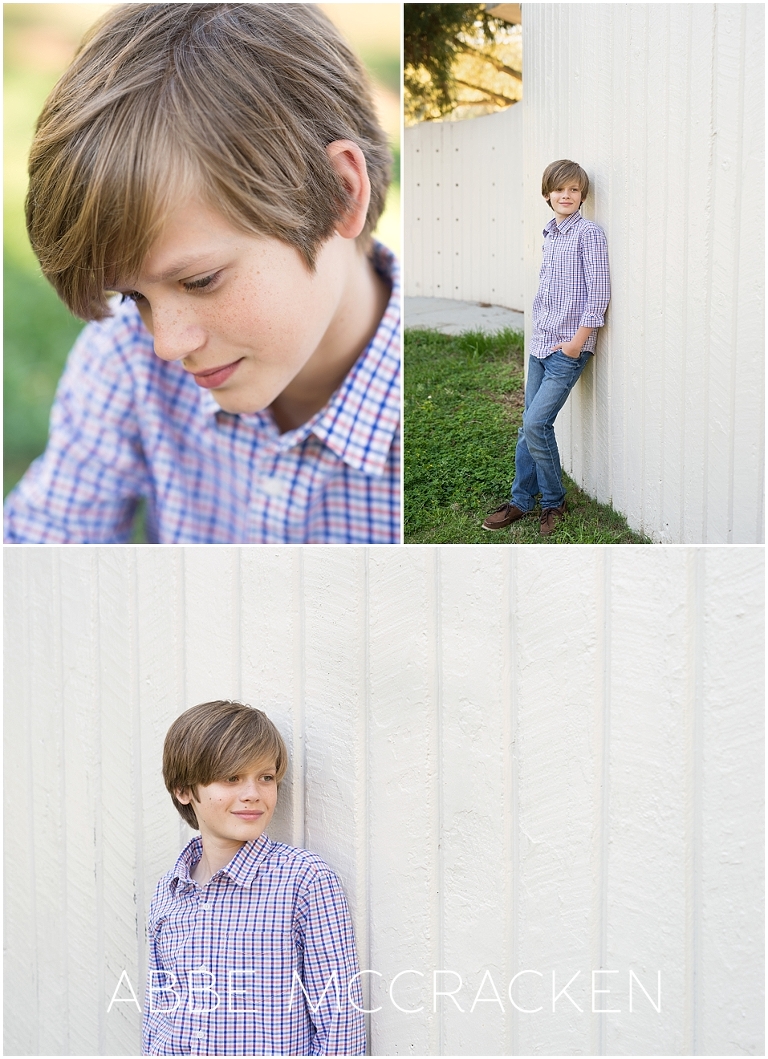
point(537, 461)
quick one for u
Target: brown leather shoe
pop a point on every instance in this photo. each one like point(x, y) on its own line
point(503, 516)
point(550, 516)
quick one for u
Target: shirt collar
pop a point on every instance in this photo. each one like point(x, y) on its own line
point(360, 420)
point(242, 869)
point(568, 223)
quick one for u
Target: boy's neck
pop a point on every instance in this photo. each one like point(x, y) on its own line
point(361, 305)
point(216, 855)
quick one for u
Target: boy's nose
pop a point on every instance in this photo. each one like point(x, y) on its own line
point(174, 337)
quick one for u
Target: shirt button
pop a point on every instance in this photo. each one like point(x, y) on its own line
point(271, 486)
point(198, 1035)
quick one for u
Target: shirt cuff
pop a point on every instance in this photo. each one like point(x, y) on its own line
point(592, 320)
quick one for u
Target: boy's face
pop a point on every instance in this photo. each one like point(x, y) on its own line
point(237, 809)
point(565, 200)
point(241, 313)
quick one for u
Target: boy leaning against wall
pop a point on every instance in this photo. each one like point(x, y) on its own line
point(204, 182)
point(251, 949)
point(574, 291)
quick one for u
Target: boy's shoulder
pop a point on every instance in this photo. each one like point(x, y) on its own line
point(299, 861)
point(590, 226)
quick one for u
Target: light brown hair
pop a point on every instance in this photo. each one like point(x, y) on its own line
point(216, 740)
point(234, 102)
point(558, 174)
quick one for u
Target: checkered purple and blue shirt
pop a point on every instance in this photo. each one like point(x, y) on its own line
point(574, 284)
point(127, 425)
point(259, 961)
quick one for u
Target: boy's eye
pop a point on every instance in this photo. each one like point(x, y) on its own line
point(232, 779)
point(268, 778)
point(199, 284)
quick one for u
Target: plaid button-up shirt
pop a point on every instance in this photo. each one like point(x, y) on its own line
point(259, 961)
point(127, 425)
point(574, 284)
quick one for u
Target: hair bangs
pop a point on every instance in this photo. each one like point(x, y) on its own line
point(115, 196)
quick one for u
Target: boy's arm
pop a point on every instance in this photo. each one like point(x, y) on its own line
point(594, 258)
point(330, 963)
point(575, 346)
point(85, 487)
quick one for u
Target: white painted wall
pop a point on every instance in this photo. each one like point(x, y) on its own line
point(463, 204)
point(516, 759)
point(663, 105)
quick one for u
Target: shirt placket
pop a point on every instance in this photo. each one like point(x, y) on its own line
point(202, 972)
point(273, 493)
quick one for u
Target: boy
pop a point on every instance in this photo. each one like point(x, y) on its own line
point(574, 290)
point(220, 167)
point(251, 950)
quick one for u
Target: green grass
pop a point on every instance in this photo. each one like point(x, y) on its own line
point(38, 332)
point(463, 407)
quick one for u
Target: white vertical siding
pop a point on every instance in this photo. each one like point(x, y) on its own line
point(463, 205)
point(663, 106)
point(539, 760)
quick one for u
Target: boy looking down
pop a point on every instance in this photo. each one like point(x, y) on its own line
point(221, 168)
point(251, 950)
point(574, 290)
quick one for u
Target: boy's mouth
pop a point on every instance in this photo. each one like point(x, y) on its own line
point(249, 814)
point(215, 376)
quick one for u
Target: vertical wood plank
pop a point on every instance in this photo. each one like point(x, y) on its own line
point(732, 820)
point(403, 804)
point(161, 659)
point(271, 614)
point(648, 842)
point(473, 612)
point(121, 809)
point(336, 705)
point(21, 1020)
point(212, 624)
point(78, 617)
point(559, 691)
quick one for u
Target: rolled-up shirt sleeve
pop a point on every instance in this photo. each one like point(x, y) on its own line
point(594, 256)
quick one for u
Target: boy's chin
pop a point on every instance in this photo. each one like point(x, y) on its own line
point(240, 404)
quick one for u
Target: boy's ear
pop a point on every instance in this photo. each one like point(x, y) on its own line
point(183, 795)
point(349, 162)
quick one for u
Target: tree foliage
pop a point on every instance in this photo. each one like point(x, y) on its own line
point(435, 34)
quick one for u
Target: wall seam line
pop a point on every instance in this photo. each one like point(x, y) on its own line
point(605, 765)
point(138, 805)
point(698, 750)
point(62, 780)
point(101, 954)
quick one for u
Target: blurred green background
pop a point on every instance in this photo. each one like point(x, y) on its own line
point(39, 42)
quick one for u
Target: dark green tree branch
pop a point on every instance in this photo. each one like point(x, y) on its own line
point(432, 41)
